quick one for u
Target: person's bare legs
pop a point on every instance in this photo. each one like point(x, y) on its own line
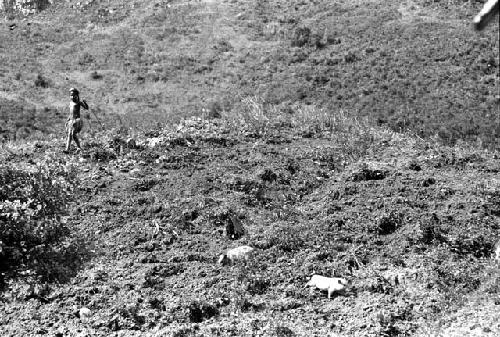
point(68, 140)
point(77, 142)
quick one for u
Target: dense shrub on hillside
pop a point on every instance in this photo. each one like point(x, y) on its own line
point(34, 238)
point(41, 82)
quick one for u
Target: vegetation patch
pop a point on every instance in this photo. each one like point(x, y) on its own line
point(36, 238)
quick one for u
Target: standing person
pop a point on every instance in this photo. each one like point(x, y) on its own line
point(74, 123)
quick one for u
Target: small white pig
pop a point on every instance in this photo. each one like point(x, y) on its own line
point(331, 284)
point(236, 254)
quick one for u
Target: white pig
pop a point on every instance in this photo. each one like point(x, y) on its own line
point(331, 284)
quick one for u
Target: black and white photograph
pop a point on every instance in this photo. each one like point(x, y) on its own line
point(249, 168)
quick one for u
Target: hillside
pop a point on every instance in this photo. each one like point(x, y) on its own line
point(314, 125)
point(410, 223)
point(412, 65)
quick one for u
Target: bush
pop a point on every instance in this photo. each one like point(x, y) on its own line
point(41, 82)
point(287, 240)
point(283, 331)
point(200, 311)
point(34, 238)
point(85, 59)
point(95, 75)
point(301, 37)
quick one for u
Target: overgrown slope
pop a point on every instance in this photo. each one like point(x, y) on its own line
point(410, 223)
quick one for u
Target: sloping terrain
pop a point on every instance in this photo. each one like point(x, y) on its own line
point(410, 223)
point(275, 116)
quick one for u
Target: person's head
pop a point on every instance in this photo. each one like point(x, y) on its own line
point(74, 94)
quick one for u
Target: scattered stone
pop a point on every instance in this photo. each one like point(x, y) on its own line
point(84, 314)
point(236, 254)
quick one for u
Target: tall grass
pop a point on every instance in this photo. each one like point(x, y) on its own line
point(347, 135)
